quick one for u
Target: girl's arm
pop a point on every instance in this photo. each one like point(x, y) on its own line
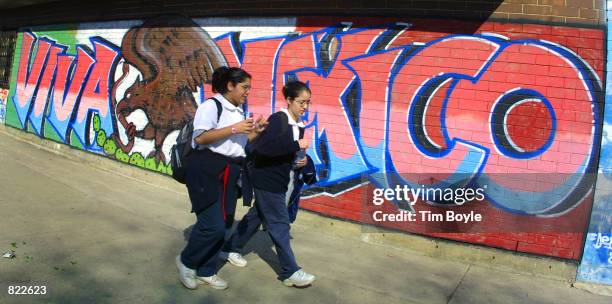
point(214, 135)
point(260, 126)
point(272, 143)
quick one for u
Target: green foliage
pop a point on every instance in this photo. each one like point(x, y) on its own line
point(137, 159)
point(96, 123)
point(151, 163)
point(122, 156)
point(169, 169)
point(101, 138)
point(110, 147)
point(161, 168)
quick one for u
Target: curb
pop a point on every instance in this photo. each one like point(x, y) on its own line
point(95, 160)
point(604, 290)
point(479, 255)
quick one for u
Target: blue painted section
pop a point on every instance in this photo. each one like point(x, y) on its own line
point(62, 126)
point(596, 264)
point(2, 107)
point(81, 128)
point(23, 111)
point(376, 161)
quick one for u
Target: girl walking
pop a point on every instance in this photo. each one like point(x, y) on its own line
point(213, 168)
point(271, 174)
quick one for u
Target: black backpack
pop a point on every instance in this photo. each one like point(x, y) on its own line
point(182, 148)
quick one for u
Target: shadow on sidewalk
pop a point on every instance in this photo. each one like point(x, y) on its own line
point(260, 244)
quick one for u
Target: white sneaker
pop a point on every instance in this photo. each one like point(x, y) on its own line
point(214, 281)
point(187, 276)
point(233, 258)
point(299, 278)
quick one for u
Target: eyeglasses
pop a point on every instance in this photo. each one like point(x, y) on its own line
point(303, 102)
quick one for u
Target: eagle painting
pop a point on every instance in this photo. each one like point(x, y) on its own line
point(175, 56)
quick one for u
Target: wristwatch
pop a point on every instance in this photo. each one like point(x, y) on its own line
point(234, 130)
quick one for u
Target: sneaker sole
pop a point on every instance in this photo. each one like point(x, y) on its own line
point(212, 286)
point(186, 286)
point(291, 284)
point(181, 280)
point(235, 264)
point(227, 259)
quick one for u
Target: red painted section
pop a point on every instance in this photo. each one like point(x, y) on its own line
point(259, 60)
point(63, 106)
point(27, 79)
point(424, 101)
point(467, 113)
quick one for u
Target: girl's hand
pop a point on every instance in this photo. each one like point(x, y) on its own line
point(301, 163)
point(260, 124)
point(244, 127)
point(304, 144)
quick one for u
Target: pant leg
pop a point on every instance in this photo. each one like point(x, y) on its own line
point(274, 212)
point(231, 194)
point(205, 241)
point(247, 227)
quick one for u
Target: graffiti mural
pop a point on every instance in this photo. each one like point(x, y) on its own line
point(175, 56)
point(3, 95)
point(391, 100)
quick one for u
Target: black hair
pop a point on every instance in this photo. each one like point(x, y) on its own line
point(223, 75)
point(294, 88)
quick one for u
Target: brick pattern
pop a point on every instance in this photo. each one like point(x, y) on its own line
point(7, 43)
point(557, 11)
point(566, 245)
point(587, 43)
point(584, 12)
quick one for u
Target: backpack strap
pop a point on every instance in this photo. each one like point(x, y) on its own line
point(219, 111)
point(219, 108)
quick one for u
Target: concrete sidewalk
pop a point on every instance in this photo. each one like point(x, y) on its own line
point(93, 235)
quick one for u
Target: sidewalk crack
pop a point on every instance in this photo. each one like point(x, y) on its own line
point(450, 297)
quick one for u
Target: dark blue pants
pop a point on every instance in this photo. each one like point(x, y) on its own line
point(205, 241)
point(208, 233)
point(270, 208)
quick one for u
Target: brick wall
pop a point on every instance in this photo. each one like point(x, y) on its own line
point(560, 11)
point(508, 95)
point(585, 12)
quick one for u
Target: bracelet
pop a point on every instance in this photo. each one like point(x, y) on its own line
point(234, 131)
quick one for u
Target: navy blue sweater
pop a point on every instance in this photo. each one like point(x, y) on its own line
point(273, 155)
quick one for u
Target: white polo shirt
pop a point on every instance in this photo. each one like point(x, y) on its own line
point(295, 125)
point(206, 119)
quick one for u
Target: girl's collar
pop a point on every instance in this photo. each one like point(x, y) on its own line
point(291, 120)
